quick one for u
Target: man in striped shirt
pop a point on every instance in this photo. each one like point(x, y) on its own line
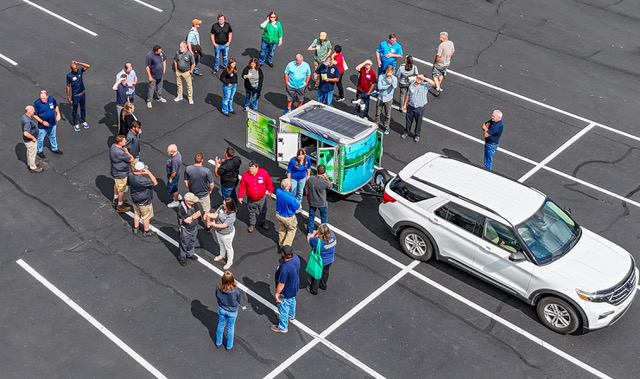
point(414, 104)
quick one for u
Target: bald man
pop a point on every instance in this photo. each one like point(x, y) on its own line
point(75, 93)
point(30, 133)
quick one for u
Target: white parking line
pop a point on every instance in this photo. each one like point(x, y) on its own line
point(91, 320)
point(11, 61)
point(557, 152)
point(148, 5)
point(270, 305)
point(539, 165)
point(60, 17)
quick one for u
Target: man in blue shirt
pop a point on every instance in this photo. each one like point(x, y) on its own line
point(414, 104)
point(75, 93)
point(287, 285)
point(47, 114)
point(387, 53)
point(296, 77)
point(492, 131)
point(156, 67)
point(286, 207)
point(132, 80)
point(328, 74)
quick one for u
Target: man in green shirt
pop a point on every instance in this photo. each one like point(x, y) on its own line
point(322, 49)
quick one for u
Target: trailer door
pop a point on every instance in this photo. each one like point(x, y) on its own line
point(327, 157)
point(287, 146)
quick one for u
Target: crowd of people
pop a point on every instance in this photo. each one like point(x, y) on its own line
point(131, 174)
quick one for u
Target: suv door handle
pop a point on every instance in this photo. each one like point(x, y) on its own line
point(488, 248)
point(434, 220)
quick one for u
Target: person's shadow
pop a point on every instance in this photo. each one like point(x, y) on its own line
point(207, 317)
point(263, 290)
point(251, 52)
point(21, 152)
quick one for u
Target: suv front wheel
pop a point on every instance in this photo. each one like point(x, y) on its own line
point(416, 244)
point(558, 315)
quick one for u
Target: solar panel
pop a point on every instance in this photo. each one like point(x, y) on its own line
point(332, 121)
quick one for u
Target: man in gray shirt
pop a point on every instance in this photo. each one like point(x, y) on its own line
point(199, 181)
point(184, 63)
point(316, 191)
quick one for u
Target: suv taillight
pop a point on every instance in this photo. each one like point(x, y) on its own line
point(386, 198)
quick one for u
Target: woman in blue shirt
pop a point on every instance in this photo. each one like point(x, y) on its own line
point(229, 297)
point(298, 171)
point(327, 252)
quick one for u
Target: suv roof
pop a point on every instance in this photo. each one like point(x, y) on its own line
point(510, 199)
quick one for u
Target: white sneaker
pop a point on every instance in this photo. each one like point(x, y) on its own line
point(179, 197)
point(149, 105)
point(162, 100)
point(173, 204)
point(191, 101)
point(177, 99)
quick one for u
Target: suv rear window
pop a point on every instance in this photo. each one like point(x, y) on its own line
point(408, 191)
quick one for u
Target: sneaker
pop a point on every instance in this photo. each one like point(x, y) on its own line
point(404, 135)
point(227, 114)
point(76, 127)
point(286, 111)
point(149, 105)
point(251, 228)
point(162, 100)
point(214, 72)
point(41, 155)
point(270, 65)
point(232, 111)
point(192, 257)
point(363, 106)
point(173, 204)
point(148, 233)
point(386, 131)
point(191, 100)
point(183, 262)
point(179, 197)
point(36, 170)
point(59, 152)
point(416, 139)
point(356, 101)
point(177, 99)
point(135, 230)
point(197, 73)
point(340, 99)
point(123, 208)
point(274, 328)
point(85, 125)
point(264, 225)
point(309, 290)
point(439, 89)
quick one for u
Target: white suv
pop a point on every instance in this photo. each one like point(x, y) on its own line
point(512, 236)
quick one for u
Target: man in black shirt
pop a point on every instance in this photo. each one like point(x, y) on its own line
point(221, 35)
point(133, 141)
point(141, 182)
point(120, 161)
point(228, 170)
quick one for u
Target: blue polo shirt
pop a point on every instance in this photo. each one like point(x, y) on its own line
point(384, 48)
point(286, 203)
point(77, 86)
point(297, 74)
point(495, 131)
point(288, 273)
point(46, 111)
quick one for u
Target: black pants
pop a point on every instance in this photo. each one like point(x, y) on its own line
point(322, 282)
point(414, 115)
point(340, 88)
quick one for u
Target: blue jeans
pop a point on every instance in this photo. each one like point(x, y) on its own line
point(251, 98)
point(228, 318)
point(196, 69)
point(51, 132)
point(221, 50)
point(267, 50)
point(489, 149)
point(286, 311)
point(325, 97)
point(231, 192)
point(79, 100)
point(227, 100)
point(365, 97)
point(297, 188)
point(312, 216)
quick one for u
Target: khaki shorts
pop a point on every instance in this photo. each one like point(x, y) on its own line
point(205, 202)
point(145, 212)
point(121, 185)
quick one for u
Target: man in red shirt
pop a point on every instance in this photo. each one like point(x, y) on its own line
point(256, 182)
point(366, 83)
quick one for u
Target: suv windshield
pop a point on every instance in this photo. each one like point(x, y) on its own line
point(550, 233)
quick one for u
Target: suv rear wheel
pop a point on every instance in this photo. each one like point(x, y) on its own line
point(558, 315)
point(416, 244)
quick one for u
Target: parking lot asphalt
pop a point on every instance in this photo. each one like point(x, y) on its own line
point(119, 305)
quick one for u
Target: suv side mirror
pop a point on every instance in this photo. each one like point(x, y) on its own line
point(517, 256)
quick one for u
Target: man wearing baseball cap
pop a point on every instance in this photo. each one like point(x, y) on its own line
point(141, 182)
point(322, 49)
point(189, 212)
point(193, 43)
